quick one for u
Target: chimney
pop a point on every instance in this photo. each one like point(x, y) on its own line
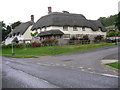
point(32, 18)
point(49, 10)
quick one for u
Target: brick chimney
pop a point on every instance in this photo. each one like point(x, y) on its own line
point(32, 18)
point(49, 10)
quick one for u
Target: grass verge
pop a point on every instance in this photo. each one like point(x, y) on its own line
point(54, 50)
point(18, 56)
point(114, 65)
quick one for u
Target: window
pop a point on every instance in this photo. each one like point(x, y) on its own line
point(83, 28)
point(18, 33)
point(78, 35)
point(75, 29)
point(66, 36)
point(44, 28)
point(10, 35)
point(100, 29)
point(65, 28)
point(14, 34)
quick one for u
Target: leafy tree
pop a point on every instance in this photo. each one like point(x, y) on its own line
point(108, 21)
point(15, 24)
point(118, 21)
point(8, 28)
point(3, 32)
point(111, 33)
point(34, 34)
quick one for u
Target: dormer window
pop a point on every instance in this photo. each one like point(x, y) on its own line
point(44, 28)
point(99, 28)
point(83, 28)
point(65, 28)
point(18, 33)
point(75, 29)
point(14, 34)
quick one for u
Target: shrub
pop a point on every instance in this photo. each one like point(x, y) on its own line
point(98, 37)
point(85, 37)
point(34, 44)
point(16, 45)
point(50, 42)
point(73, 38)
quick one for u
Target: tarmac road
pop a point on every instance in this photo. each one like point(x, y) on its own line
point(22, 73)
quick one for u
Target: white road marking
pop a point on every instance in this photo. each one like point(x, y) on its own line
point(57, 64)
point(80, 67)
point(109, 75)
point(82, 70)
point(64, 65)
point(89, 68)
point(39, 63)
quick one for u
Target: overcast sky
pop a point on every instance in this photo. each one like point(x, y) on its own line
point(20, 10)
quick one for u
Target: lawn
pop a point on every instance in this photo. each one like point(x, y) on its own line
point(114, 65)
point(53, 50)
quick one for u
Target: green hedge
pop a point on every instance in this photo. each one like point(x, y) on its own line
point(16, 45)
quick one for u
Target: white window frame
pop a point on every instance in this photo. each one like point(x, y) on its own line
point(75, 28)
point(83, 28)
point(65, 28)
point(66, 36)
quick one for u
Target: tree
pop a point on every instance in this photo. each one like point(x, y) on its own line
point(118, 21)
point(15, 24)
point(108, 21)
point(9, 29)
point(3, 31)
point(111, 33)
point(34, 34)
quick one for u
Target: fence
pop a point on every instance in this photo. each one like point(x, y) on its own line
point(77, 42)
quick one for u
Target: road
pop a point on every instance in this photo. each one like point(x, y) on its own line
point(40, 73)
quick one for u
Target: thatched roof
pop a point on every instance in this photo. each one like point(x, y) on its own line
point(21, 28)
point(67, 19)
point(15, 39)
point(50, 32)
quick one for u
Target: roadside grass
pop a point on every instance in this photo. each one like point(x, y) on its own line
point(54, 50)
point(18, 56)
point(114, 65)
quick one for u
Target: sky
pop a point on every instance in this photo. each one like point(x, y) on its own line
point(20, 10)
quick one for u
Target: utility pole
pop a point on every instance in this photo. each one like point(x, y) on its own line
point(13, 49)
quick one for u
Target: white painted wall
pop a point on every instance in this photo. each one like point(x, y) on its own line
point(25, 36)
point(80, 31)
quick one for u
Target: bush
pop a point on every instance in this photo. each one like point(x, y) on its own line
point(73, 38)
point(16, 45)
point(85, 37)
point(50, 42)
point(98, 37)
point(34, 44)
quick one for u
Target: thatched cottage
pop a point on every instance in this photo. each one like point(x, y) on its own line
point(21, 33)
point(64, 25)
